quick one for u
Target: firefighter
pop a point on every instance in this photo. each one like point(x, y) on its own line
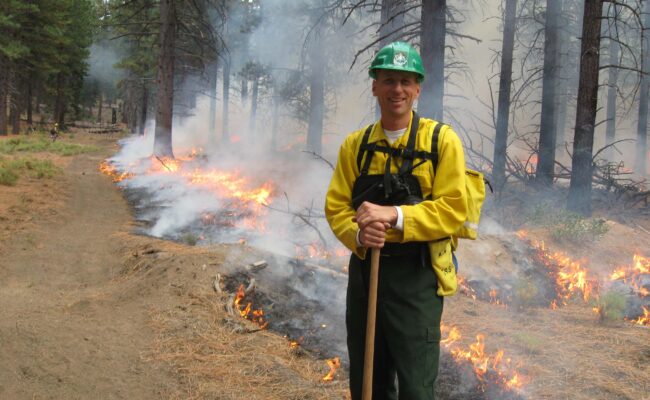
point(395, 191)
point(54, 132)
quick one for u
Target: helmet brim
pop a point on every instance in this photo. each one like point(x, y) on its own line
point(373, 74)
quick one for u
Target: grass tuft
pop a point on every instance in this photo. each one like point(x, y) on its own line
point(38, 144)
point(10, 170)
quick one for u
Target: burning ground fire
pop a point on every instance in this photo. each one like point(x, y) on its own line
point(488, 368)
point(572, 277)
point(244, 202)
point(256, 316)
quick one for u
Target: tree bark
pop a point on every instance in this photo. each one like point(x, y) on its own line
point(165, 107)
point(390, 22)
point(432, 41)
point(143, 111)
point(213, 69)
point(583, 142)
point(225, 134)
point(563, 92)
point(547, 134)
point(4, 85)
point(29, 100)
point(640, 164)
point(101, 106)
point(276, 118)
point(253, 115)
point(612, 83)
point(316, 96)
point(60, 102)
point(505, 82)
point(14, 116)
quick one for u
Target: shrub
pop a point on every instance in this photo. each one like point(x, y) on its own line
point(190, 239)
point(610, 306)
point(8, 177)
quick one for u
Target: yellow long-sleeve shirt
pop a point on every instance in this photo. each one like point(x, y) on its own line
point(430, 220)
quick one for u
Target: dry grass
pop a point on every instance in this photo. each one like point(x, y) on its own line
point(225, 357)
point(566, 353)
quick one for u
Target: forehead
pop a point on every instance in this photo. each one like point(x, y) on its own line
point(388, 73)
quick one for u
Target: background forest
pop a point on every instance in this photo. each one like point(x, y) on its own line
point(543, 92)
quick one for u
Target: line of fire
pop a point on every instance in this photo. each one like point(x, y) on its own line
point(542, 280)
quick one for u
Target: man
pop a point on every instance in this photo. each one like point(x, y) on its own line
point(54, 132)
point(386, 193)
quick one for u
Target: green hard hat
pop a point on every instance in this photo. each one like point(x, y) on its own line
point(398, 56)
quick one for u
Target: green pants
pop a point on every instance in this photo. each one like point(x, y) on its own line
point(407, 341)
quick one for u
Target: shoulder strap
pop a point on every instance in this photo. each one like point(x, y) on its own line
point(434, 145)
point(364, 143)
point(408, 152)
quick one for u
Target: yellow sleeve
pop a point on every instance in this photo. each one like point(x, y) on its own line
point(446, 213)
point(338, 203)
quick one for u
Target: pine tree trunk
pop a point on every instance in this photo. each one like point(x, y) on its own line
point(583, 142)
point(316, 97)
point(562, 95)
point(100, 108)
point(4, 85)
point(274, 124)
point(505, 82)
point(253, 115)
point(143, 111)
point(432, 41)
point(640, 164)
point(59, 102)
point(244, 90)
point(29, 99)
point(612, 83)
point(213, 69)
point(390, 23)
point(547, 137)
point(14, 117)
point(225, 134)
point(165, 103)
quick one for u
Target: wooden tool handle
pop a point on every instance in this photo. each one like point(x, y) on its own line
point(370, 326)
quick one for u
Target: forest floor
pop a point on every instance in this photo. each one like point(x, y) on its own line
point(88, 309)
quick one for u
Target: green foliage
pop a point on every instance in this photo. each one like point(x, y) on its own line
point(566, 225)
point(190, 239)
point(10, 169)
point(525, 292)
point(8, 177)
point(38, 144)
point(610, 306)
point(529, 342)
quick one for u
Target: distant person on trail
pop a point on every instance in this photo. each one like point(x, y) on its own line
point(54, 132)
point(399, 190)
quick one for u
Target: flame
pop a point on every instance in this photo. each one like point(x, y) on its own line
point(317, 251)
point(465, 288)
point(632, 275)
point(644, 319)
point(109, 169)
point(570, 275)
point(334, 364)
point(256, 316)
point(488, 368)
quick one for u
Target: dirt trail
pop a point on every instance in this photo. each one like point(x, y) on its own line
point(67, 329)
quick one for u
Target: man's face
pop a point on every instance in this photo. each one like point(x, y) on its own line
point(395, 91)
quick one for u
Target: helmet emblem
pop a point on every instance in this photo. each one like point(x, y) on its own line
point(400, 59)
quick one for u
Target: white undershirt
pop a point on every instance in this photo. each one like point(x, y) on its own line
point(393, 136)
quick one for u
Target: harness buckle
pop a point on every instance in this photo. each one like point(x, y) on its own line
point(408, 153)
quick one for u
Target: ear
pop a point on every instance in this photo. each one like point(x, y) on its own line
point(374, 87)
